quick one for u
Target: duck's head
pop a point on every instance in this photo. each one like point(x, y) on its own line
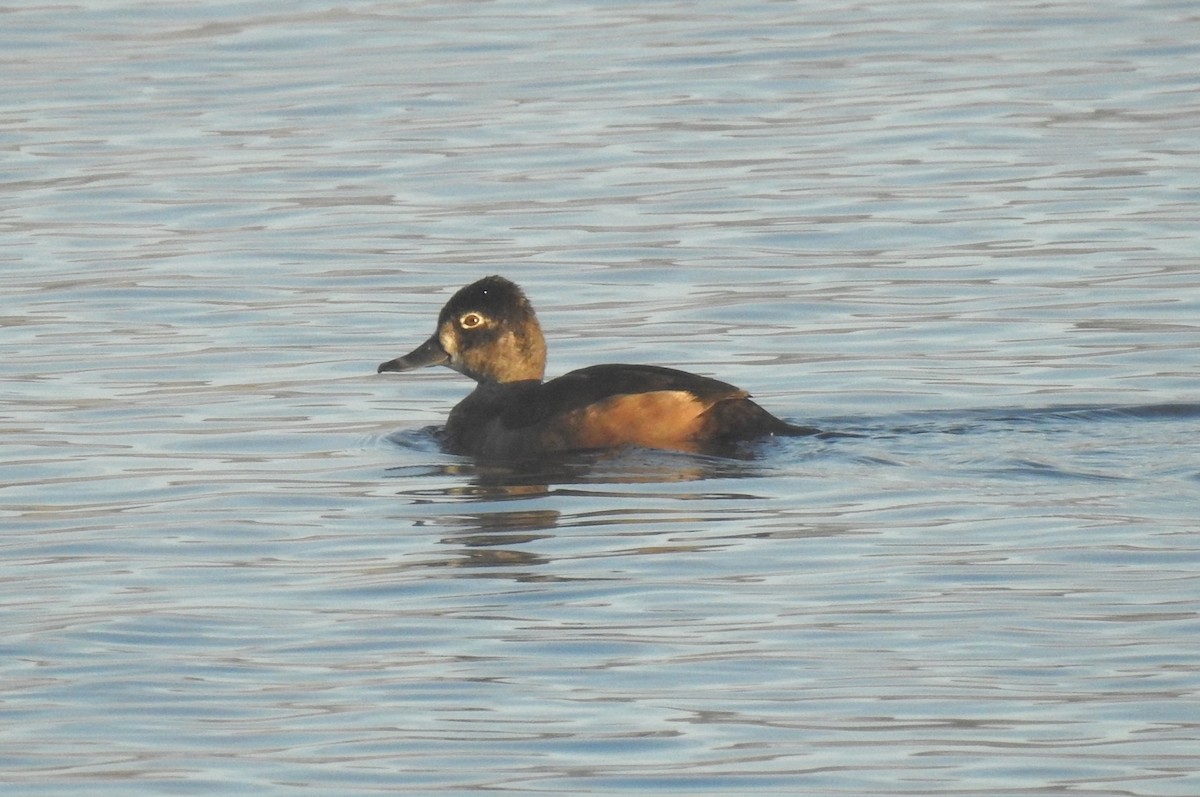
point(487, 331)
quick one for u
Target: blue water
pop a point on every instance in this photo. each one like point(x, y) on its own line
point(235, 561)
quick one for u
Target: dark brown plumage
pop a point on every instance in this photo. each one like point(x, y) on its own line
point(489, 332)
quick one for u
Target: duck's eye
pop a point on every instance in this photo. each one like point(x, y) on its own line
point(470, 320)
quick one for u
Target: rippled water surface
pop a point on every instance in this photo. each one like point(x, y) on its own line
point(235, 561)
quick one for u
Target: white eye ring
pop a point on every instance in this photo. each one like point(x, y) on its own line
point(470, 320)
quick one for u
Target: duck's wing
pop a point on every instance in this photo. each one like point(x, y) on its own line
point(605, 405)
point(597, 384)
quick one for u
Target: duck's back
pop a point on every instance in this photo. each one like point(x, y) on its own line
point(605, 406)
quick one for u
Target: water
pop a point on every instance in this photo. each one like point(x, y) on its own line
point(235, 561)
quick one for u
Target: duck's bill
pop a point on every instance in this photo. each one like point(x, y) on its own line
point(428, 353)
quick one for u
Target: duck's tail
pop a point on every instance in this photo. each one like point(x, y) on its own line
point(742, 419)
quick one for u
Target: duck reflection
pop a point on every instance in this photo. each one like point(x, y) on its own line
point(486, 544)
point(577, 470)
point(490, 541)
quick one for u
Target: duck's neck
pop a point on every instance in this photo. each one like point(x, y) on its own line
point(525, 357)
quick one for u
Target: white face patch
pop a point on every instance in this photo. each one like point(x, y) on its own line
point(449, 342)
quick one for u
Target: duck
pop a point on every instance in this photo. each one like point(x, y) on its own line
point(488, 331)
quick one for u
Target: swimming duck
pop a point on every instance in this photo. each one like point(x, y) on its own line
point(489, 332)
